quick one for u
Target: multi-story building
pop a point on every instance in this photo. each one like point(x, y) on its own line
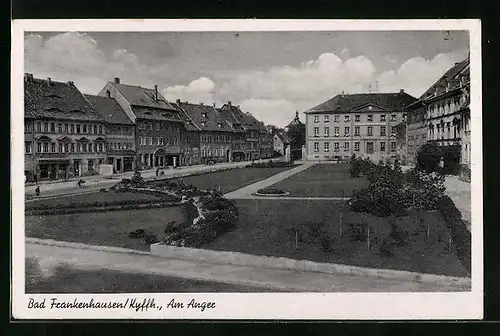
point(120, 133)
point(280, 141)
point(296, 132)
point(67, 134)
point(190, 139)
point(361, 124)
point(266, 142)
point(214, 131)
point(158, 124)
point(401, 142)
point(246, 145)
point(448, 113)
point(416, 129)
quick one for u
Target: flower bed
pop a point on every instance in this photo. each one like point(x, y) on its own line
point(271, 191)
point(270, 164)
point(209, 214)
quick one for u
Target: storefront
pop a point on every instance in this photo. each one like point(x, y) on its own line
point(53, 169)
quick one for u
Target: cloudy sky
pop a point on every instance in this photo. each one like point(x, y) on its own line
point(269, 74)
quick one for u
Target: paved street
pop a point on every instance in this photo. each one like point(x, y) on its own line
point(94, 183)
point(280, 279)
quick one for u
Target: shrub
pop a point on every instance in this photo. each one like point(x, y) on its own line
point(428, 157)
point(269, 164)
point(139, 233)
point(271, 191)
point(355, 168)
point(137, 180)
point(150, 238)
point(386, 247)
point(464, 173)
point(358, 232)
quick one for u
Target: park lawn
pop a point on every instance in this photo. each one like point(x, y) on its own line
point(101, 197)
point(322, 180)
point(103, 228)
point(264, 229)
point(70, 280)
point(230, 180)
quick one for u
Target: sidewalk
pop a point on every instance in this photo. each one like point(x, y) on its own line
point(460, 194)
point(279, 279)
point(94, 183)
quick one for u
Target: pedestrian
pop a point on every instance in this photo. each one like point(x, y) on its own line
point(37, 191)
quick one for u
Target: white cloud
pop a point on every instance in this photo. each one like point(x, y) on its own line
point(345, 53)
point(417, 74)
point(200, 90)
point(277, 112)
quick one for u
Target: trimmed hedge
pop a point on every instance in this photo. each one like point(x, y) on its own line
point(270, 164)
point(460, 236)
point(271, 191)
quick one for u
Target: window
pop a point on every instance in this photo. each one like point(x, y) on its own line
point(327, 131)
point(382, 131)
point(53, 127)
point(66, 128)
point(316, 119)
point(336, 118)
point(72, 148)
point(53, 147)
point(336, 131)
point(369, 147)
point(150, 141)
point(95, 129)
point(46, 147)
point(78, 128)
point(382, 117)
point(326, 146)
point(100, 129)
point(100, 147)
point(346, 131)
point(370, 131)
point(27, 127)
point(59, 128)
point(327, 118)
point(95, 147)
point(39, 147)
point(27, 147)
point(393, 117)
point(316, 146)
point(347, 118)
point(72, 128)
point(85, 146)
point(356, 131)
point(150, 126)
point(382, 146)
point(46, 127)
point(157, 126)
point(356, 146)
point(157, 140)
point(357, 118)
point(336, 146)
point(84, 129)
point(393, 146)
point(61, 148)
point(316, 131)
point(370, 117)
point(161, 141)
point(66, 147)
point(90, 147)
point(393, 131)
point(38, 126)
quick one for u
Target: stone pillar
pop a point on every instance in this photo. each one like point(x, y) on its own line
point(175, 161)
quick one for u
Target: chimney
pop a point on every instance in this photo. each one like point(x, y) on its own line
point(214, 104)
point(117, 80)
point(229, 103)
point(178, 101)
point(156, 92)
point(401, 90)
point(343, 93)
point(49, 81)
point(297, 114)
point(28, 77)
point(201, 103)
point(71, 83)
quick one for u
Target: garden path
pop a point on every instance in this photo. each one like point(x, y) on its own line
point(460, 194)
point(280, 279)
point(246, 192)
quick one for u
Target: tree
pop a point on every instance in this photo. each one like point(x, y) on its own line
point(428, 157)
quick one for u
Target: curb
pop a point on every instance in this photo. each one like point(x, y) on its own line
point(81, 246)
point(243, 259)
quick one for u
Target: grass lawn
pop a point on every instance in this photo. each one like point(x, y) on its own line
point(322, 180)
point(264, 229)
point(103, 228)
point(93, 197)
point(230, 180)
point(68, 280)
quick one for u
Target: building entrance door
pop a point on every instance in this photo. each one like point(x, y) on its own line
point(76, 168)
point(118, 165)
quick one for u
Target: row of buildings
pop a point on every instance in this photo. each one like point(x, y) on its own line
point(70, 134)
point(392, 125)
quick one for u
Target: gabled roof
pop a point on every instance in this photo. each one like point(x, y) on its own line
point(246, 120)
point(188, 123)
point(51, 99)
point(282, 135)
point(349, 102)
point(109, 109)
point(205, 117)
point(295, 122)
point(151, 113)
point(144, 97)
point(452, 78)
point(231, 120)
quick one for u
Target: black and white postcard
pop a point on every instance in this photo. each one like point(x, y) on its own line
point(247, 169)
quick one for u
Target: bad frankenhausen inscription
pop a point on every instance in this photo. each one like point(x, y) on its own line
point(135, 304)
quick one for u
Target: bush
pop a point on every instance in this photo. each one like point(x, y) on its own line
point(464, 173)
point(137, 179)
point(150, 238)
point(271, 191)
point(460, 236)
point(139, 233)
point(428, 157)
point(269, 164)
point(358, 232)
point(355, 168)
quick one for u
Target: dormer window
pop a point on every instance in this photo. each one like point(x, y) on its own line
point(108, 93)
point(204, 115)
point(203, 123)
point(219, 125)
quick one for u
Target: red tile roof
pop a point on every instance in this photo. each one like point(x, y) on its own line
point(246, 120)
point(139, 96)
